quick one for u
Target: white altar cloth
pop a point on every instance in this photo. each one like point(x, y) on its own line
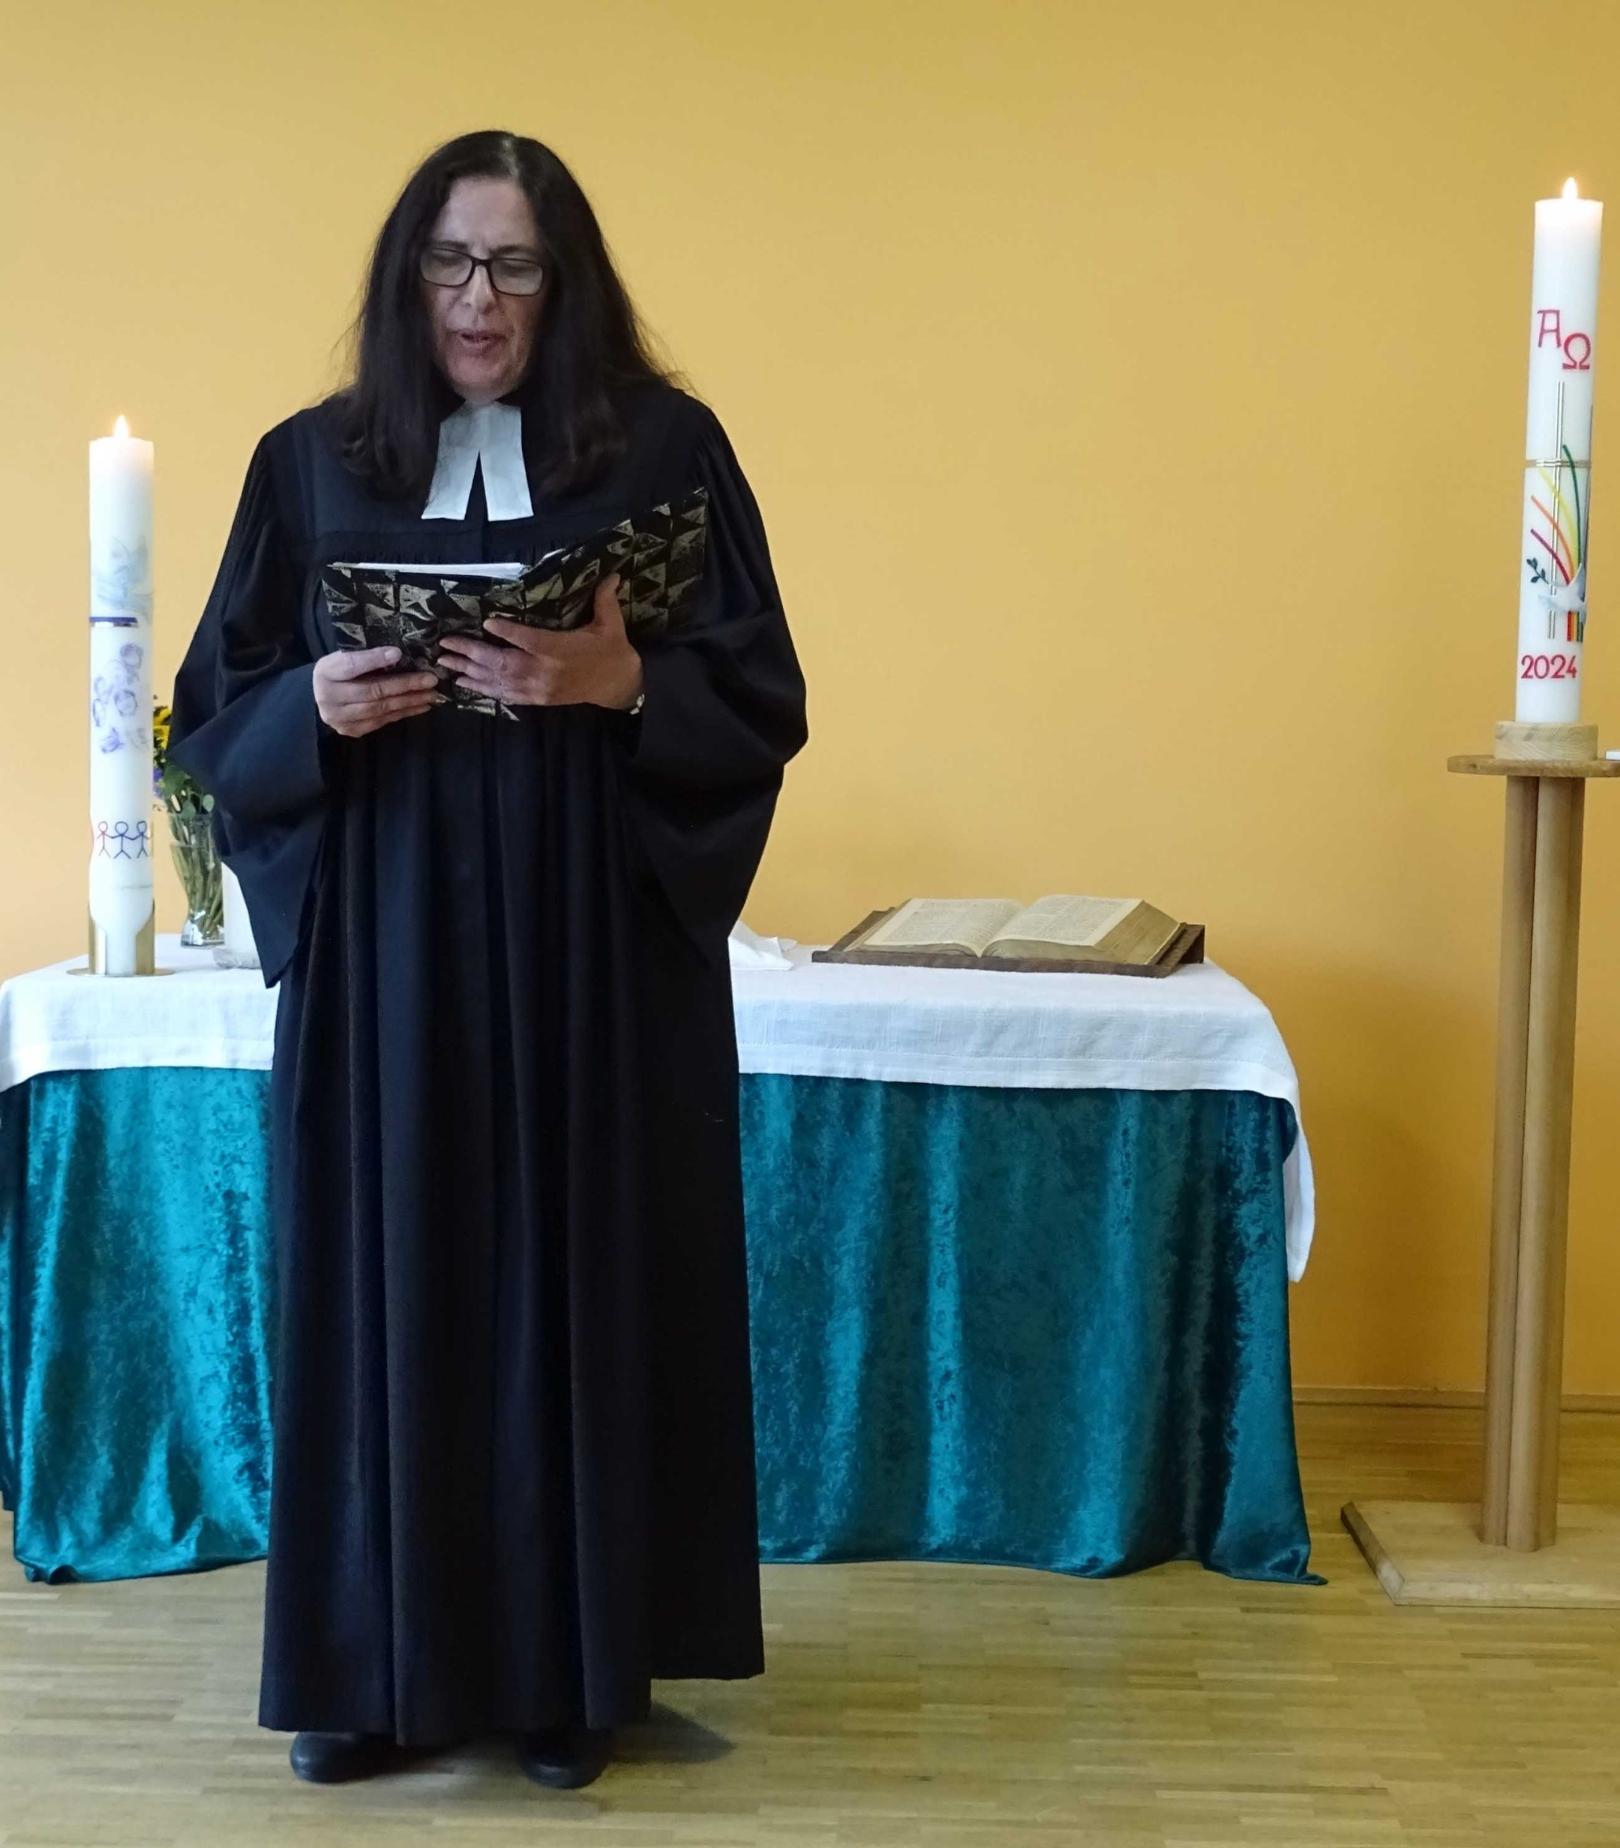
point(1199, 1029)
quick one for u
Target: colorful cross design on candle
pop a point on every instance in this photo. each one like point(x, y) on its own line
point(1559, 568)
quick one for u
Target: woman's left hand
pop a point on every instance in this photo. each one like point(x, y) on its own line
point(595, 665)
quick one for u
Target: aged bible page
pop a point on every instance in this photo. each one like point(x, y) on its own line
point(1064, 919)
point(942, 924)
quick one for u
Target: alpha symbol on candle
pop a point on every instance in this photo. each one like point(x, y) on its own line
point(1549, 326)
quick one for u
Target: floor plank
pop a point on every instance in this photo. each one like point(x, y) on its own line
point(934, 1706)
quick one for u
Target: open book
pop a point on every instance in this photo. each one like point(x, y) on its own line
point(1059, 928)
point(658, 553)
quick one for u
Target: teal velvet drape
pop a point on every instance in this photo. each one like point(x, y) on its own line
point(1041, 1328)
point(136, 1296)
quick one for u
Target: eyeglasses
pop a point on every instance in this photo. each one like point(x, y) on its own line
point(449, 267)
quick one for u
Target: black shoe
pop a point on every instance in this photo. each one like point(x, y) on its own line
point(566, 1757)
point(335, 1757)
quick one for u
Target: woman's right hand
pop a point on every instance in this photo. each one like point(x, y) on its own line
point(355, 694)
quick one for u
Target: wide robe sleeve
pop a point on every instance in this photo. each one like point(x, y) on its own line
point(724, 712)
point(245, 723)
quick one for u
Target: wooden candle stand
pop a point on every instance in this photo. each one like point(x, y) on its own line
point(1517, 1546)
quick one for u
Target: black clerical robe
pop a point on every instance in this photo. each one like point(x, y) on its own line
point(513, 1467)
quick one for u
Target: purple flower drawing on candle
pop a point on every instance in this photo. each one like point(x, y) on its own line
point(114, 696)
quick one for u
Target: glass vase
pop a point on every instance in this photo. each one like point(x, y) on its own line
point(191, 841)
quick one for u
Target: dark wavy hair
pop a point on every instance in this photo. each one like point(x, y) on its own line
point(590, 344)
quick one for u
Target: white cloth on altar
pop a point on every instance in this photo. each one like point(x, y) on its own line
point(1199, 1029)
point(749, 950)
point(52, 1020)
point(489, 436)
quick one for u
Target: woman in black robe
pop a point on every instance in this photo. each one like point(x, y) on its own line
point(513, 1467)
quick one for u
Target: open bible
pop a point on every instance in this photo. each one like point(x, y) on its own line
point(1059, 931)
point(658, 554)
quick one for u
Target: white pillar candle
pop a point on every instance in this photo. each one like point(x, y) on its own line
point(120, 692)
point(1558, 459)
point(238, 951)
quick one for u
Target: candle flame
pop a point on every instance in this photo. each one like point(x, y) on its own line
point(121, 428)
point(1570, 191)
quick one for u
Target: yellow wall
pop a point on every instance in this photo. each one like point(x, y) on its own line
point(1135, 398)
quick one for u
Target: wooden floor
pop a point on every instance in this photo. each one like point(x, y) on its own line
point(908, 1704)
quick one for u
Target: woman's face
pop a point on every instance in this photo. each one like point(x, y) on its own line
point(482, 339)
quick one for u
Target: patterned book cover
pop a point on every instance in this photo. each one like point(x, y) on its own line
point(659, 555)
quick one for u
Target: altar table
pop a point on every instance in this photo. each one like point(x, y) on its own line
point(1019, 1247)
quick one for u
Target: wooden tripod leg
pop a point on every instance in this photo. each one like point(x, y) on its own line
point(1544, 1196)
point(1512, 1040)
